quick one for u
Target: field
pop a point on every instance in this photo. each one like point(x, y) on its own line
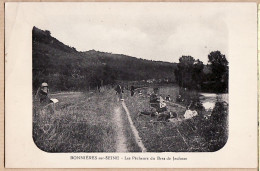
point(97, 122)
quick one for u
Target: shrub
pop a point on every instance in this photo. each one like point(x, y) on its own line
point(215, 129)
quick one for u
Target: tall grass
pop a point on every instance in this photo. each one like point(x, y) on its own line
point(81, 123)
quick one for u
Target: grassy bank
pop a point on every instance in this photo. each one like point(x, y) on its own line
point(81, 123)
point(156, 136)
point(180, 135)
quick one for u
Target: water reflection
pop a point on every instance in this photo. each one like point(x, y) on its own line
point(209, 100)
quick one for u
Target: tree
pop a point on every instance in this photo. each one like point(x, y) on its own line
point(185, 68)
point(188, 73)
point(219, 66)
point(109, 75)
point(47, 32)
point(197, 74)
point(186, 61)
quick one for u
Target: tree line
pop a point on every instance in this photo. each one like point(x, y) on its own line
point(194, 75)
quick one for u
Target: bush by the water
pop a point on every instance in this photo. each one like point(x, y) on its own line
point(215, 128)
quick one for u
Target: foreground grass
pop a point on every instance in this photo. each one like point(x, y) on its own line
point(81, 123)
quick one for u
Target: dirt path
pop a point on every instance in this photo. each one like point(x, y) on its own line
point(135, 132)
point(121, 139)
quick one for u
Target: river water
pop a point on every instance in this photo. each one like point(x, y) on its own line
point(209, 100)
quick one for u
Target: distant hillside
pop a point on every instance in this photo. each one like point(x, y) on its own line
point(64, 68)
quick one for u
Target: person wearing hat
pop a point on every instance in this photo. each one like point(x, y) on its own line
point(43, 93)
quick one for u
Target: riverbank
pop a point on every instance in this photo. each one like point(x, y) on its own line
point(182, 135)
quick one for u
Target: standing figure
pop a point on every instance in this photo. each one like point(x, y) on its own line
point(132, 90)
point(119, 91)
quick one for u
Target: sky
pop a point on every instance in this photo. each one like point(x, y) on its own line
point(154, 31)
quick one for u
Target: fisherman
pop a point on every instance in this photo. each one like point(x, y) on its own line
point(191, 111)
point(157, 101)
point(168, 98)
point(132, 89)
point(166, 116)
point(189, 116)
point(43, 94)
point(162, 105)
point(154, 100)
point(119, 90)
point(152, 112)
point(156, 90)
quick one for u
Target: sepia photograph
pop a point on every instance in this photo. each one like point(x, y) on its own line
point(130, 85)
point(143, 82)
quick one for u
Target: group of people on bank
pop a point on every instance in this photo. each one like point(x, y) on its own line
point(158, 106)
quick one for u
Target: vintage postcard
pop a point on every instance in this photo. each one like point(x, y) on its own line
point(131, 85)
